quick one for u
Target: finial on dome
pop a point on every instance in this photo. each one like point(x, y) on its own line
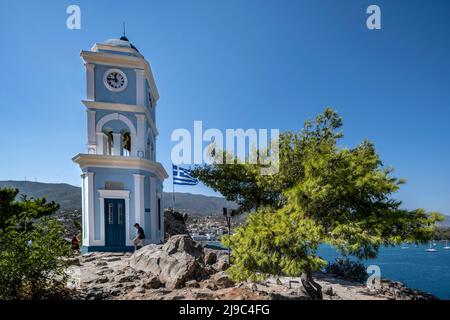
point(124, 37)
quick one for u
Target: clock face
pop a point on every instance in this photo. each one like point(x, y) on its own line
point(115, 80)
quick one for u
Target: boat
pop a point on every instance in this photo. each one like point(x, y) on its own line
point(446, 245)
point(431, 249)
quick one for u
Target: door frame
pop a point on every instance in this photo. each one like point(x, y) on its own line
point(117, 240)
point(114, 194)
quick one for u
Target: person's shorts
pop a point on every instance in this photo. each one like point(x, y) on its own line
point(139, 242)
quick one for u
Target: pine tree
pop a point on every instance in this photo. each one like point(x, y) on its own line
point(322, 194)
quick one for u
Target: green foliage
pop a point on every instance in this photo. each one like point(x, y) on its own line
point(32, 248)
point(274, 243)
point(322, 194)
point(442, 233)
point(348, 269)
point(243, 182)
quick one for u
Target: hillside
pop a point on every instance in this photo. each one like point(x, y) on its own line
point(69, 197)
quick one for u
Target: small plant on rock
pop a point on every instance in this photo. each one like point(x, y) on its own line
point(348, 269)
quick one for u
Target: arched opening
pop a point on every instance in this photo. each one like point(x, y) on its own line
point(119, 134)
point(126, 144)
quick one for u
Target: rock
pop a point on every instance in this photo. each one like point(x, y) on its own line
point(209, 284)
point(174, 223)
point(177, 261)
point(202, 295)
point(184, 243)
point(125, 278)
point(101, 263)
point(192, 284)
point(209, 270)
point(399, 291)
point(128, 285)
point(152, 282)
point(89, 258)
point(73, 261)
point(222, 280)
point(115, 292)
point(210, 257)
point(101, 279)
point(282, 296)
point(328, 291)
point(222, 263)
point(96, 293)
point(139, 290)
point(111, 259)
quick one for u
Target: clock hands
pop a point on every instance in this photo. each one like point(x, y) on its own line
point(115, 80)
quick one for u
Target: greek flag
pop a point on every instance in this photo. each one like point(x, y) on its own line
point(183, 176)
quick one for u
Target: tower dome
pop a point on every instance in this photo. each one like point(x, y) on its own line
point(122, 42)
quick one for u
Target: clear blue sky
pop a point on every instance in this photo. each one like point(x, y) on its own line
point(238, 63)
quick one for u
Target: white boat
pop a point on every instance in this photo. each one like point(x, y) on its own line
point(431, 249)
point(446, 245)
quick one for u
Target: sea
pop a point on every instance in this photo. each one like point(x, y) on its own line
point(410, 264)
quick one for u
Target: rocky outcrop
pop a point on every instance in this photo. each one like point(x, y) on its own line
point(222, 280)
point(174, 223)
point(399, 291)
point(183, 269)
point(179, 260)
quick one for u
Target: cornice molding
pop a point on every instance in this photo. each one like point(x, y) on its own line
point(118, 162)
point(124, 108)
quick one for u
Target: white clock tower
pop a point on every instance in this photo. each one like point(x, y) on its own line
point(122, 182)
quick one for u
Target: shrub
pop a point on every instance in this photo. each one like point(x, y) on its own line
point(348, 269)
point(32, 249)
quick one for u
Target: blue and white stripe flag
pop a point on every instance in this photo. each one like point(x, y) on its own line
point(183, 176)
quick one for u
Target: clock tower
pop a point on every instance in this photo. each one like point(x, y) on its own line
point(121, 181)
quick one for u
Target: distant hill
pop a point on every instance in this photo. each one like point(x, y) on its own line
point(197, 204)
point(445, 223)
point(69, 197)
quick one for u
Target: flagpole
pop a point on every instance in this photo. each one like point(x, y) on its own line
point(173, 190)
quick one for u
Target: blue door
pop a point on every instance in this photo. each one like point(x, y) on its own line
point(114, 222)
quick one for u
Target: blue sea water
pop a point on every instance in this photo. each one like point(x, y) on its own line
point(418, 269)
